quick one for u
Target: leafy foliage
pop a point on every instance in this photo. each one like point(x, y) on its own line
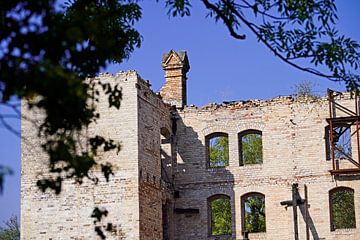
point(342, 209)
point(178, 7)
point(55, 72)
point(220, 216)
point(219, 151)
point(294, 30)
point(251, 148)
point(11, 230)
point(47, 50)
point(254, 207)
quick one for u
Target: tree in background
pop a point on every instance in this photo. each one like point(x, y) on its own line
point(11, 231)
point(219, 151)
point(47, 50)
point(342, 209)
point(251, 148)
point(221, 216)
point(254, 207)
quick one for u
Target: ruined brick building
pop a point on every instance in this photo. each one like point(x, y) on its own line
point(166, 181)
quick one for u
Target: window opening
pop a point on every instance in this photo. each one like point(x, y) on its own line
point(250, 147)
point(217, 150)
point(253, 213)
point(342, 208)
point(220, 215)
point(166, 156)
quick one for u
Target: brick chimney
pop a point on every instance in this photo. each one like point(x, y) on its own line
point(175, 65)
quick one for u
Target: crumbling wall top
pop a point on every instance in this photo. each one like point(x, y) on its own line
point(255, 103)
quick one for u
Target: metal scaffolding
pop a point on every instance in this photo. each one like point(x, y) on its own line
point(347, 122)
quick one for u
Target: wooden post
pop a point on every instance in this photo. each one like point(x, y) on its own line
point(306, 213)
point(294, 205)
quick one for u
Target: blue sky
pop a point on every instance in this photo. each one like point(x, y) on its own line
point(222, 69)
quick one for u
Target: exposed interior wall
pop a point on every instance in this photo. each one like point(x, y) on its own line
point(154, 118)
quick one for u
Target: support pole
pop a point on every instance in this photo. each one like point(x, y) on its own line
point(332, 144)
point(331, 99)
point(294, 205)
point(306, 213)
point(357, 126)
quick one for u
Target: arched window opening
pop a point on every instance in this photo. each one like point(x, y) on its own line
point(220, 215)
point(166, 155)
point(253, 212)
point(217, 146)
point(250, 147)
point(342, 208)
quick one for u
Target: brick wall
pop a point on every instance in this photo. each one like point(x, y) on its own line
point(67, 216)
point(293, 152)
point(154, 116)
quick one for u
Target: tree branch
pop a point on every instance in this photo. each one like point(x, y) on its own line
point(264, 13)
point(284, 59)
point(225, 19)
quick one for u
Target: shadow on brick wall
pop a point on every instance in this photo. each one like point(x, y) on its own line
point(197, 185)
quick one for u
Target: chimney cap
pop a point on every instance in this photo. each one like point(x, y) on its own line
point(181, 60)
